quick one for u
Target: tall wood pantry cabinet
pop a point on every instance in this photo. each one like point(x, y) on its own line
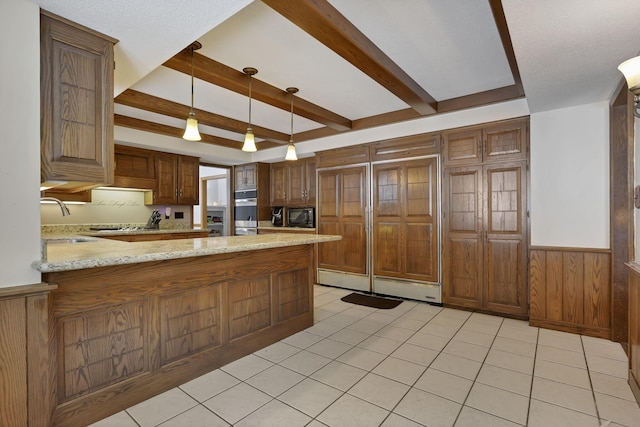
point(486, 217)
point(76, 90)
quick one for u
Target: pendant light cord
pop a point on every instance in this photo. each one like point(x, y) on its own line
point(291, 137)
point(249, 101)
point(192, 79)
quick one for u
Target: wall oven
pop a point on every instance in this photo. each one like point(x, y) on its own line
point(245, 211)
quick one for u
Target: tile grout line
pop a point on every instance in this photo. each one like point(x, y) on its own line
point(533, 375)
point(593, 392)
point(476, 377)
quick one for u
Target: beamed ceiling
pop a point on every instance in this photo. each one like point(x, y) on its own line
point(323, 22)
point(358, 64)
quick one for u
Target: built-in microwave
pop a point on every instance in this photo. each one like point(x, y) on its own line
point(301, 217)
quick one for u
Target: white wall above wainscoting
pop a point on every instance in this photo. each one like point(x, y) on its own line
point(114, 207)
point(570, 177)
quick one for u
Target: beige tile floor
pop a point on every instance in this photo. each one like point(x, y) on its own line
point(415, 365)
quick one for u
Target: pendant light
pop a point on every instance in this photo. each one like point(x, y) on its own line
point(249, 140)
point(191, 131)
point(291, 149)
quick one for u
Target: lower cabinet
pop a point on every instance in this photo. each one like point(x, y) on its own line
point(123, 334)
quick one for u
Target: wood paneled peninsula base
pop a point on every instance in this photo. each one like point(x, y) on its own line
point(125, 331)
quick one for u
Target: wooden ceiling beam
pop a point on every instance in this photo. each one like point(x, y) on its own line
point(216, 73)
point(507, 45)
point(147, 126)
point(478, 99)
point(326, 24)
point(154, 104)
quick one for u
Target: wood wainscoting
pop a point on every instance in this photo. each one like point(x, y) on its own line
point(24, 396)
point(634, 329)
point(570, 290)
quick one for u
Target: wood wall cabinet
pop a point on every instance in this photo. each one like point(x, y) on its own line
point(134, 167)
point(293, 183)
point(498, 142)
point(76, 90)
point(76, 196)
point(177, 179)
point(343, 156)
point(485, 219)
point(246, 177)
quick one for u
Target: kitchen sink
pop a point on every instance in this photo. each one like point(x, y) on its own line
point(70, 240)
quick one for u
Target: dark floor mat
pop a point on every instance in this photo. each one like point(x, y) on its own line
point(371, 301)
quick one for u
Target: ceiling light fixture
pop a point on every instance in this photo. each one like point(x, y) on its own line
point(191, 131)
point(249, 140)
point(631, 70)
point(291, 148)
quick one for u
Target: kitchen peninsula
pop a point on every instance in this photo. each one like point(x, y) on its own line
point(124, 321)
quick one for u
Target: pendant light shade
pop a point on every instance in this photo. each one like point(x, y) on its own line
point(191, 132)
point(291, 152)
point(249, 140)
point(631, 71)
point(291, 148)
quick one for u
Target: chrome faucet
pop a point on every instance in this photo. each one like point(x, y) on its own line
point(63, 207)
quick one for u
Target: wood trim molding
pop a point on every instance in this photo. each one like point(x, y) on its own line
point(569, 249)
point(26, 290)
point(621, 155)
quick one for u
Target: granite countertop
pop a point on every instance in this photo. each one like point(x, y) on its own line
point(91, 252)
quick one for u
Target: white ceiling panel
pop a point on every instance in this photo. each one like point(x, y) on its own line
point(285, 56)
point(568, 50)
point(450, 48)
